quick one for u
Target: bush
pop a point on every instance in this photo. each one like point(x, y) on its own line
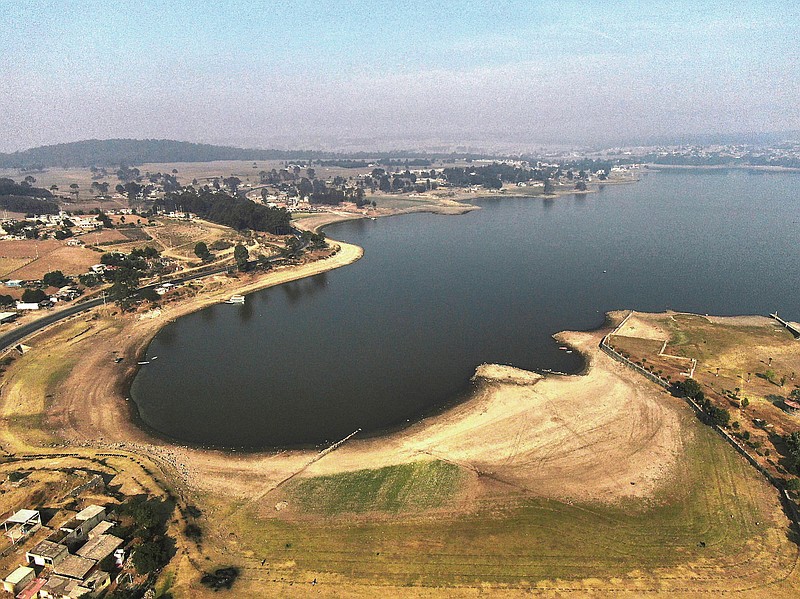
point(220, 244)
point(221, 578)
point(149, 294)
point(193, 532)
point(793, 484)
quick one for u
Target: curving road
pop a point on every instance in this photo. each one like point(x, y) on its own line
point(15, 336)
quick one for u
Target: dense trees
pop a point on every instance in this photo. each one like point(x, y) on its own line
point(27, 205)
point(221, 208)
point(8, 187)
point(33, 296)
point(21, 197)
point(793, 444)
point(55, 278)
point(692, 389)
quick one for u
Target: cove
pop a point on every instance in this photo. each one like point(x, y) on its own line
point(398, 334)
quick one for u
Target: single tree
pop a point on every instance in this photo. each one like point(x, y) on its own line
point(201, 251)
point(241, 255)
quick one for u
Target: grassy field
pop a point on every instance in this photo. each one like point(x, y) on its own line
point(720, 528)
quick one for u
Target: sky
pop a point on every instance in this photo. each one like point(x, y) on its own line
point(380, 74)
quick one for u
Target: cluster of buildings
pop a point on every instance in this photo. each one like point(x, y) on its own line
point(44, 223)
point(72, 561)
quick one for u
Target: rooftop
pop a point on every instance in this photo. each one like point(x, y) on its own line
point(90, 512)
point(19, 575)
point(100, 529)
point(59, 585)
point(99, 547)
point(23, 516)
point(74, 566)
point(32, 589)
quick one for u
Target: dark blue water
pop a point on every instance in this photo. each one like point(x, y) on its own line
point(399, 334)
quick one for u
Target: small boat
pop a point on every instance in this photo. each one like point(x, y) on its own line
point(143, 363)
point(236, 299)
point(564, 348)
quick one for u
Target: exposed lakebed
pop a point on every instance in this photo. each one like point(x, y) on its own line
point(398, 334)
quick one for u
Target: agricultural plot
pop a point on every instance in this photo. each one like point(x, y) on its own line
point(33, 258)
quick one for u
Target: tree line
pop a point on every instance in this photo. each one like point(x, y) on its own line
point(223, 209)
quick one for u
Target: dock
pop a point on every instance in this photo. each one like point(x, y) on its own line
point(790, 326)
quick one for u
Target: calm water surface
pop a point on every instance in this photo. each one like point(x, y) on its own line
point(399, 333)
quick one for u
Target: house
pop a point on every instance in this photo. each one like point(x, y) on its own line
point(98, 269)
point(60, 587)
point(14, 283)
point(77, 529)
point(21, 524)
point(18, 579)
point(46, 553)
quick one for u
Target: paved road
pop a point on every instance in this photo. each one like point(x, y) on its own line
point(18, 333)
point(14, 336)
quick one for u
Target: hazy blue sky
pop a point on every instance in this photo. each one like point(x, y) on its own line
point(289, 73)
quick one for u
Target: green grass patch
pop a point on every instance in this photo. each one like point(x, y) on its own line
point(417, 486)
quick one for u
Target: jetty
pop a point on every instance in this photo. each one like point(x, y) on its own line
point(793, 328)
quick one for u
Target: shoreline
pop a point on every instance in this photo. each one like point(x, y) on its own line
point(505, 393)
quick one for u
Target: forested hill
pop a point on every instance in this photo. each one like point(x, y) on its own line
point(108, 152)
point(113, 152)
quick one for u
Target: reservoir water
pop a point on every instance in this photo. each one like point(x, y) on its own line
point(398, 334)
